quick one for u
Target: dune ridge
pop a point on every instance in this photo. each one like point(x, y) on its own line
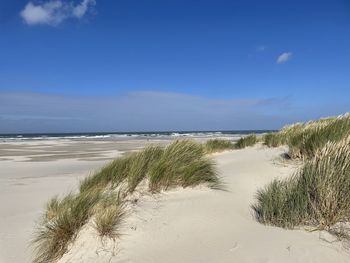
point(204, 225)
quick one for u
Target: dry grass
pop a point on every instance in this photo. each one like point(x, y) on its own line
point(60, 224)
point(108, 215)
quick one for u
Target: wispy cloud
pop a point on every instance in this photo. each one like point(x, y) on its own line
point(257, 50)
point(54, 12)
point(284, 57)
point(261, 48)
point(142, 111)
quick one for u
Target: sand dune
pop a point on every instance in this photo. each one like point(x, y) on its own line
point(201, 225)
point(27, 184)
point(34, 171)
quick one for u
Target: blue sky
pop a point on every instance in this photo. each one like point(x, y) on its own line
point(97, 65)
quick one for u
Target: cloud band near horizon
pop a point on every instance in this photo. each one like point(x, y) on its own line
point(22, 112)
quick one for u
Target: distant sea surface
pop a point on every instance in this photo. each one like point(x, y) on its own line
point(126, 135)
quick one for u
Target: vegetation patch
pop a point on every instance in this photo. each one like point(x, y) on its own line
point(183, 163)
point(102, 196)
point(246, 141)
point(61, 222)
point(305, 139)
point(218, 145)
point(317, 195)
point(108, 215)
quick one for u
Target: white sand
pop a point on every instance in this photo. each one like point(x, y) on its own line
point(25, 187)
point(33, 171)
point(201, 225)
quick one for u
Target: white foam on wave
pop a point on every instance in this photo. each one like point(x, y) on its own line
point(117, 136)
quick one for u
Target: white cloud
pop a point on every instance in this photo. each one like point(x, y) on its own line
point(284, 57)
point(81, 9)
point(54, 12)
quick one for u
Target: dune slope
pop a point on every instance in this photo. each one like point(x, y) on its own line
point(202, 225)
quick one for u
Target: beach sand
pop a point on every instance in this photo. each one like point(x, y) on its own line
point(182, 225)
point(31, 172)
point(202, 225)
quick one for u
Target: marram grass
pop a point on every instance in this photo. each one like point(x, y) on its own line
point(142, 162)
point(317, 195)
point(178, 164)
point(181, 164)
point(111, 175)
point(108, 215)
point(315, 137)
point(60, 224)
point(246, 141)
point(305, 139)
point(218, 145)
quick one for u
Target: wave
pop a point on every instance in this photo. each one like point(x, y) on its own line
point(119, 135)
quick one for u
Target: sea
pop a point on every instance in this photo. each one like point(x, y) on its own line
point(127, 135)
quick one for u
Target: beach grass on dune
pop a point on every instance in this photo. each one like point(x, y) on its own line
point(101, 196)
point(218, 145)
point(246, 141)
point(172, 166)
point(317, 195)
point(108, 215)
point(274, 139)
point(61, 222)
point(305, 139)
point(183, 163)
point(314, 138)
point(141, 163)
point(111, 175)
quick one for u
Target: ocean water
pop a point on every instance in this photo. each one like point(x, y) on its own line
point(126, 135)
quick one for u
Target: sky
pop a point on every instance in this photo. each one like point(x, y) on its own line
point(157, 65)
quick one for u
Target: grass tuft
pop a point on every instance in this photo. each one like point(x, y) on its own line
point(273, 139)
point(305, 139)
point(60, 224)
point(182, 163)
point(218, 145)
point(246, 141)
point(108, 216)
point(140, 165)
point(317, 195)
point(113, 174)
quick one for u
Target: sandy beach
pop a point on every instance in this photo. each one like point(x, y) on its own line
point(201, 225)
point(174, 131)
point(182, 225)
point(34, 171)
